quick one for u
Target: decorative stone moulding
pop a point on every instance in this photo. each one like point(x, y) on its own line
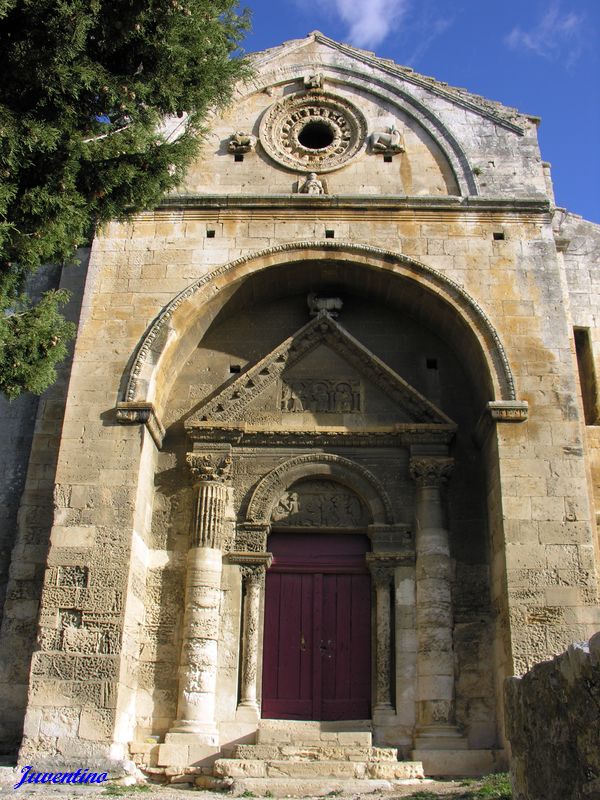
point(133, 413)
point(313, 132)
point(508, 410)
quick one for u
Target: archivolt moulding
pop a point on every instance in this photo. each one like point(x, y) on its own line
point(161, 348)
point(320, 465)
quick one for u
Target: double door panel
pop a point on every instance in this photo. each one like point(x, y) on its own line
point(317, 654)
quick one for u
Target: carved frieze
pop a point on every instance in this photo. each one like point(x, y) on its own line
point(322, 396)
point(319, 504)
point(73, 576)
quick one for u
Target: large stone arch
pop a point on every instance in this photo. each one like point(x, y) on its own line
point(319, 465)
point(181, 324)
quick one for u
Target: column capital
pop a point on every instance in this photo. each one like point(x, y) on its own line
point(212, 467)
point(431, 470)
point(252, 565)
point(382, 571)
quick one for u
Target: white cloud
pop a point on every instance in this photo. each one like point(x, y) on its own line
point(555, 35)
point(370, 21)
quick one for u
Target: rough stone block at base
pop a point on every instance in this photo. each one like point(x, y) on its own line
point(460, 763)
point(400, 770)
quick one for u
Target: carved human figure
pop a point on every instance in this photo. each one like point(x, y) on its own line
point(312, 185)
point(389, 142)
point(343, 398)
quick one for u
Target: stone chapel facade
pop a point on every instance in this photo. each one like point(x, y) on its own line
point(326, 461)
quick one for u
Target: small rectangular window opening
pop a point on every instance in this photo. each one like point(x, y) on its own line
point(210, 234)
point(387, 159)
point(498, 236)
point(235, 368)
point(431, 363)
point(329, 234)
point(238, 157)
point(587, 375)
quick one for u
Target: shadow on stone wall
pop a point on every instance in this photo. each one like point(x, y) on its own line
point(553, 723)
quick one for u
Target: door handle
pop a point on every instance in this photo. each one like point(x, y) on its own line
point(302, 643)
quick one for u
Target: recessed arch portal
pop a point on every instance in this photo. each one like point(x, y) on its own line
point(179, 327)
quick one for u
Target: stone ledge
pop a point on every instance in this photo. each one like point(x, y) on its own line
point(134, 413)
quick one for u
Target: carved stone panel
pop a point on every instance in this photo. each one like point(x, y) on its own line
point(322, 396)
point(319, 504)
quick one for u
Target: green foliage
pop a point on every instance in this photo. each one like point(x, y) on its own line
point(121, 791)
point(86, 86)
point(495, 787)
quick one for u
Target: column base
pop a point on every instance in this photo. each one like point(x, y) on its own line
point(202, 733)
point(247, 712)
point(440, 737)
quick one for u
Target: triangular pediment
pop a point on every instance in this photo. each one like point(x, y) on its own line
point(493, 110)
point(321, 373)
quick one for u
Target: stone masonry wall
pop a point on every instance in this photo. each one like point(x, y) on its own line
point(552, 723)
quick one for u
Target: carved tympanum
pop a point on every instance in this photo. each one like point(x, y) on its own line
point(319, 504)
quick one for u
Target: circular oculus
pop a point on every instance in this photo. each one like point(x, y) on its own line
point(313, 132)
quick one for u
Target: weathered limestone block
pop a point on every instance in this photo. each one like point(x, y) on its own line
point(552, 717)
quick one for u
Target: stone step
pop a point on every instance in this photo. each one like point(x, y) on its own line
point(312, 787)
point(320, 752)
point(271, 768)
point(301, 732)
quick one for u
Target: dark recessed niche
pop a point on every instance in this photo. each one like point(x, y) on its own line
point(387, 159)
point(238, 157)
point(329, 234)
point(315, 135)
point(235, 368)
point(210, 234)
point(431, 363)
point(498, 236)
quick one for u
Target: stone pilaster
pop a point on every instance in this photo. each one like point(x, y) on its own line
point(199, 653)
point(434, 615)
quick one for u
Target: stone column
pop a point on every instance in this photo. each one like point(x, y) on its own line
point(252, 569)
point(199, 653)
point(382, 575)
point(435, 657)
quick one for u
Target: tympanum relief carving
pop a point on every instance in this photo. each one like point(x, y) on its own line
point(324, 504)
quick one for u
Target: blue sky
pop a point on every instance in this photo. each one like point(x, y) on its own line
point(540, 56)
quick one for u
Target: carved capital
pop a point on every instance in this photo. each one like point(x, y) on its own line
point(382, 573)
point(431, 470)
point(215, 467)
point(252, 565)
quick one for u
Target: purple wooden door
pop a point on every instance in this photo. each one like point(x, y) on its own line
point(317, 640)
